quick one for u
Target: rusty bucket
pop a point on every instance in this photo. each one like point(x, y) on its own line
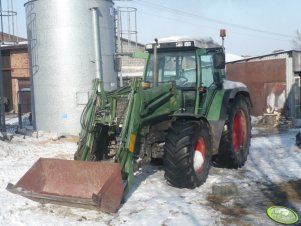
point(72, 183)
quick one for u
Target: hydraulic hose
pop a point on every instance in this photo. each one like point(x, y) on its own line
point(87, 121)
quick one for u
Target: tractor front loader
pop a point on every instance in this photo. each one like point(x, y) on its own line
point(183, 111)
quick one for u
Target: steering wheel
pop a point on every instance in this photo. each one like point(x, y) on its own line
point(183, 80)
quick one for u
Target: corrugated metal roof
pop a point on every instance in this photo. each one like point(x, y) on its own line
point(21, 45)
point(277, 55)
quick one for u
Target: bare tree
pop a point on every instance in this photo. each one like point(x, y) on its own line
point(297, 40)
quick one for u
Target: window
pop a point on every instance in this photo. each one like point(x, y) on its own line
point(206, 70)
point(174, 66)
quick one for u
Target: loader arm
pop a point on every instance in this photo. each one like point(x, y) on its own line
point(101, 110)
point(144, 107)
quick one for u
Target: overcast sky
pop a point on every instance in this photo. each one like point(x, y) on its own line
point(254, 27)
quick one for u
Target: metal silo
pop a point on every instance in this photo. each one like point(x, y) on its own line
point(63, 60)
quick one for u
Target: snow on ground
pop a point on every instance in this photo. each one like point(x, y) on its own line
point(272, 175)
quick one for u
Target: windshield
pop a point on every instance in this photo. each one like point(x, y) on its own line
point(174, 66)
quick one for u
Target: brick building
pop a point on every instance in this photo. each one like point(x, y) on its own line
point(14, 62)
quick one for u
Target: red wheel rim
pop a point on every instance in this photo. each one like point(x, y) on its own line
point(199, 155)
point(239, 131)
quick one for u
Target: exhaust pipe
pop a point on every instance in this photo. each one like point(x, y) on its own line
point(155, 64)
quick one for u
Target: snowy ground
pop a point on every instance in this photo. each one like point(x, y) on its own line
point(272, 175)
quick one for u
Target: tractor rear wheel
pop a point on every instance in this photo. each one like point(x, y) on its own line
point(187, 154)
point(235, 141)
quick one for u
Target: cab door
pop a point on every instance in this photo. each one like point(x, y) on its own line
point(206, 86)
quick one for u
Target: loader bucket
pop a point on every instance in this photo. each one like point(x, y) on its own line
point(72, 183)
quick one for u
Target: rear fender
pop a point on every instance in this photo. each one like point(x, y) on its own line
point(218, 126)
point(240, 91)
point(229, 95)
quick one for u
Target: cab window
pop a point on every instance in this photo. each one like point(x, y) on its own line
point(178, 66)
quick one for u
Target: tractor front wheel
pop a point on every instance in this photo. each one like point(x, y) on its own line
point(187, 154)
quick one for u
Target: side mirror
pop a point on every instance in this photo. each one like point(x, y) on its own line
point(219, 61)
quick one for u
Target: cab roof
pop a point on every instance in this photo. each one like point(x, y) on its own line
point(178, 42)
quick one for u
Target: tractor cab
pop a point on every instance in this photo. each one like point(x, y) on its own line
point(194, 66)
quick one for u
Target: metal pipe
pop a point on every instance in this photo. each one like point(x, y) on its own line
point(119, 50)
point(136, 28)
point(17, 32)
point(13, 21)
point(97, 51)
point(1, 17)
point(129, 28)
point(97, 47)
point(2, 109)
point(32, 62)
point(155, 64)
point(8, 19)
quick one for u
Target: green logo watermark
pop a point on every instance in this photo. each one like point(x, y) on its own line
point(282, 215)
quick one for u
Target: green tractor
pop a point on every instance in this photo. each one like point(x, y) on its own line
point(183, 111)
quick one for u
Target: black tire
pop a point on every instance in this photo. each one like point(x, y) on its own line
point(235, 141)
point(180, 152)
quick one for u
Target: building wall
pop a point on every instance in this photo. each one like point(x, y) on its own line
point(16, 76)
point(132, 66)
point(6, 73)
point(261, 78)
point(20, 79)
